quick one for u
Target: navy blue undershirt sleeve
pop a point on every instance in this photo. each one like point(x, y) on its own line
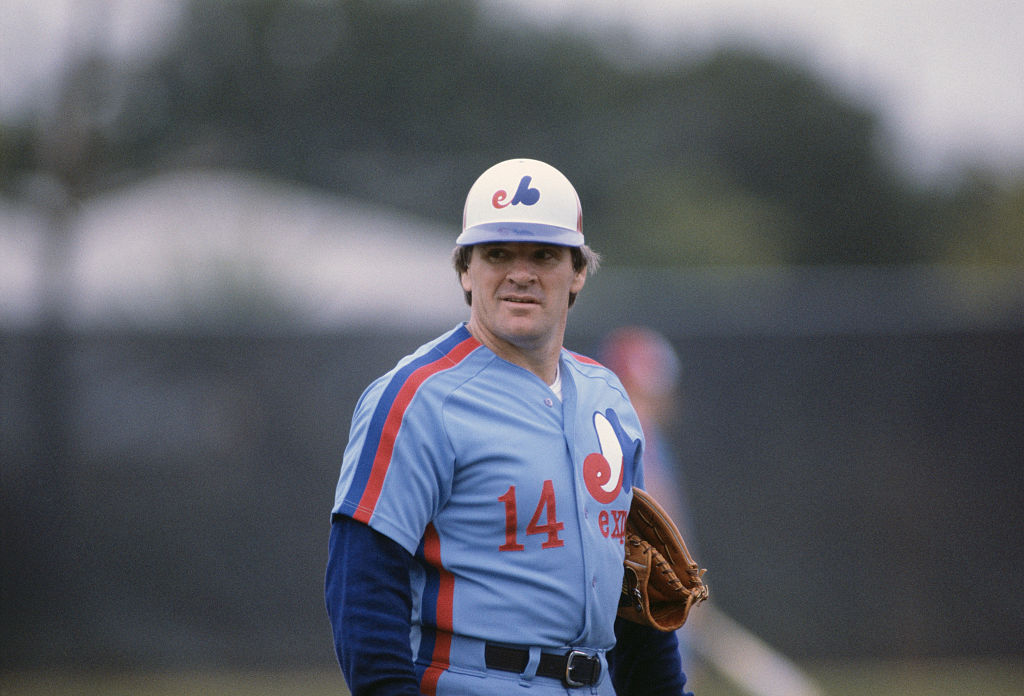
point(369, 603)
point(645, 661)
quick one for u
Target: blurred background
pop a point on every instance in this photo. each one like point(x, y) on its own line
point(219, 220)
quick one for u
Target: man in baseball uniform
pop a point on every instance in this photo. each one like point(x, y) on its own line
point(477, 531)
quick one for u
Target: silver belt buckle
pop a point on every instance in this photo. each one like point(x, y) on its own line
point(569, 659)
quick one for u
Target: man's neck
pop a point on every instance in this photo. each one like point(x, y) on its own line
point(541, 360)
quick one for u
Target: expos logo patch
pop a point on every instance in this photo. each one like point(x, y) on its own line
point(524, 195)
point(606, 473)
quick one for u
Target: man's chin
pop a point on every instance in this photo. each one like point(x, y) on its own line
point(521, 331)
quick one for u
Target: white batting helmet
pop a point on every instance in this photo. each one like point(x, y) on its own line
point(522, 200)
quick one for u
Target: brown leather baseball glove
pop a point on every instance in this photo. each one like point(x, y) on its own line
point(661, 581)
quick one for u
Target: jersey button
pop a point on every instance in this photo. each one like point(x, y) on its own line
point(549, 402)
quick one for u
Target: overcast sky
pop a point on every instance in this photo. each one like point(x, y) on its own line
point(947, 76)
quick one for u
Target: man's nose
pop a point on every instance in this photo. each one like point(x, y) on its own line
point(521, 270)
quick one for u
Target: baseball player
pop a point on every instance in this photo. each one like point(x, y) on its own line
point(477, 531)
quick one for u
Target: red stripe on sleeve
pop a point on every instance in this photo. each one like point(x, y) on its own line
point(585, 359)
point(393, 423)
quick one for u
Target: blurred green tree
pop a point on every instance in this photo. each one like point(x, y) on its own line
point(737, 158)
point(983, 223)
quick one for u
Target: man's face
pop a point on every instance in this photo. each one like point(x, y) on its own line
point(521, 292)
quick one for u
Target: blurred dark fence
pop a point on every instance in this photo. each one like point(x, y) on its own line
point(165, 496)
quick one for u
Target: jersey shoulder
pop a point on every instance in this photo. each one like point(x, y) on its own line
point(412, 374)
point(587, 368)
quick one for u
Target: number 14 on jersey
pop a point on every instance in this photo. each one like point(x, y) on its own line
point(545, 510)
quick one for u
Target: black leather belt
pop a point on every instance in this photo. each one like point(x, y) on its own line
point(574, 668)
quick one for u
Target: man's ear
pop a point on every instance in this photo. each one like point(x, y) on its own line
point(578, 281)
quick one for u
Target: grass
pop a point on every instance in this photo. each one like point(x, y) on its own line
point(918, 678)
point(925, 678)
point(250, 683)
point(897, 678)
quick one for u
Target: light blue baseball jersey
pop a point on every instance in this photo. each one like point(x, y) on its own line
point(513, 502)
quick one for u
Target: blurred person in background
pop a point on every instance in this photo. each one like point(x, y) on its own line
point(649, 369)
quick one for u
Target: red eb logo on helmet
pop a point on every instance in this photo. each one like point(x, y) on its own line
point(524, 195)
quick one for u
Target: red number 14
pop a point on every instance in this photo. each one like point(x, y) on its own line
point(545, 507)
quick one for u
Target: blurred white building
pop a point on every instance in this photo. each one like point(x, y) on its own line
point(199, 247)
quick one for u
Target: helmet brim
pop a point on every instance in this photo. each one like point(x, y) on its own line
point(537, 233)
